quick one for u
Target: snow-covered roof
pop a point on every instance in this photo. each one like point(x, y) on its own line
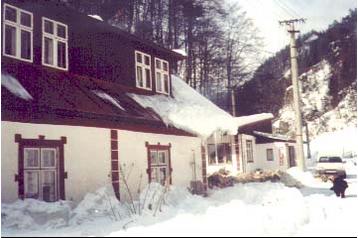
point(109, 98)
point(15, 87)
point(245, 120)
point(189, 110)
point(180, 51)
point(273, 136)
point(96, 17)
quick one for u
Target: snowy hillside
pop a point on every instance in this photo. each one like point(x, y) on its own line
point(316, 104)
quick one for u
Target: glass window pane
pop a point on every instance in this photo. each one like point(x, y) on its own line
point(10, 40)
point(32, 184)
point(166, 83)
point(165, 66)
point(25, 19)
point(48, 27)
point(49, 185)
point(154, 157)
point(159, 82)
point(158, 64)
point(10, 14)
point(154, 175)
point(146, 60)
point(61, 54)
point(139, 76)
point(61, 31)
point(48, 54)
point(139, 58)
point(212, 154)
point(162, 157)
point(25, 44)
point(31, 158)
point(148, 78)
point(48, 158)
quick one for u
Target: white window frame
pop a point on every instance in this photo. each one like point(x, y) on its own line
point(40, 170)
point(55, 40)
point(143, 67)
point(18, 28)
point(162, 72)
point(157, 166)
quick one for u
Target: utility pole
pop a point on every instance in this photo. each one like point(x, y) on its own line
point(296, 90)
point(308, 142)
point(233, 101)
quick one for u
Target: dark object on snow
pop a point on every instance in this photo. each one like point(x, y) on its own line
point(339, 186)
point(221, 179)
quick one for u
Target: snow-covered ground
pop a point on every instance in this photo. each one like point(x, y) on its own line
point(260, 209)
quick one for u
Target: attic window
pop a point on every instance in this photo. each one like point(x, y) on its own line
point(54, 44)
point(143, 70)
point(17, 31)
point(162, 76)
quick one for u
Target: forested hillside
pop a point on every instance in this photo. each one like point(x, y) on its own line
point(338, 46)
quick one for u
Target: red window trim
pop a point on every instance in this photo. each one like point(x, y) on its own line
point(40, 142)
point(159, 147)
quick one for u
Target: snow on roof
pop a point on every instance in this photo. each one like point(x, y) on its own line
point(189, 110)
point(109, 98)
point(272, 136)
point(96, 17)
point(15, 87)
point(311, 38)
point(180, 51)
point(245, 120)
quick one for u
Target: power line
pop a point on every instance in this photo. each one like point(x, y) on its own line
point(285, 9)
point(288, 6)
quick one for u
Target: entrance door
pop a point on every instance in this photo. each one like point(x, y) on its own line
point(41, 173)
point(291, 156)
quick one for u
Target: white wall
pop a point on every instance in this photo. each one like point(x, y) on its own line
point(278, 148)
point(132, 150)
point(88, 156)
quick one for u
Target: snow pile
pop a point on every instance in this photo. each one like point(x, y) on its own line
point(96, 17)
point(181, 52)
point(15, 87)
point(99, 204)
point(109, 98)
point(261, 209)
point(35, 214)
point(245, 120)
point(188, 110)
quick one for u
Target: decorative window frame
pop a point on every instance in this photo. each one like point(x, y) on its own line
point(159, 147)
point(55, 39)
point(18, 28)
point(162, 73)
point(41, 143)
point(270, 155)
point(143, 68)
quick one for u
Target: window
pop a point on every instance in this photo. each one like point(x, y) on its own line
point(162, 76)
point(159, 164)
point(41, 173)
point(143, 70)
point(269, 155)
point(17, 33)
point(219, 149)
point(54, 44)
point(249, 151)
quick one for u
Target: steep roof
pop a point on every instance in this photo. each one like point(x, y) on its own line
point(33, 93)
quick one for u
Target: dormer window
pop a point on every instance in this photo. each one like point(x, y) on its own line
point(54, 44)
point(143, 70)
point(17, 33)
point(162, 76)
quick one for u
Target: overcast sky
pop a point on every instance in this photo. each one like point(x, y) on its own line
point(267, 13)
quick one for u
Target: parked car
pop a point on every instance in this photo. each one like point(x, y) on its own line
point(329, 166)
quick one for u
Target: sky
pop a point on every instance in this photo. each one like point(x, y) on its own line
point(319, 14)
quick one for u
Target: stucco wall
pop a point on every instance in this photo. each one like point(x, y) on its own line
point(87, 156)
point(279, 149)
